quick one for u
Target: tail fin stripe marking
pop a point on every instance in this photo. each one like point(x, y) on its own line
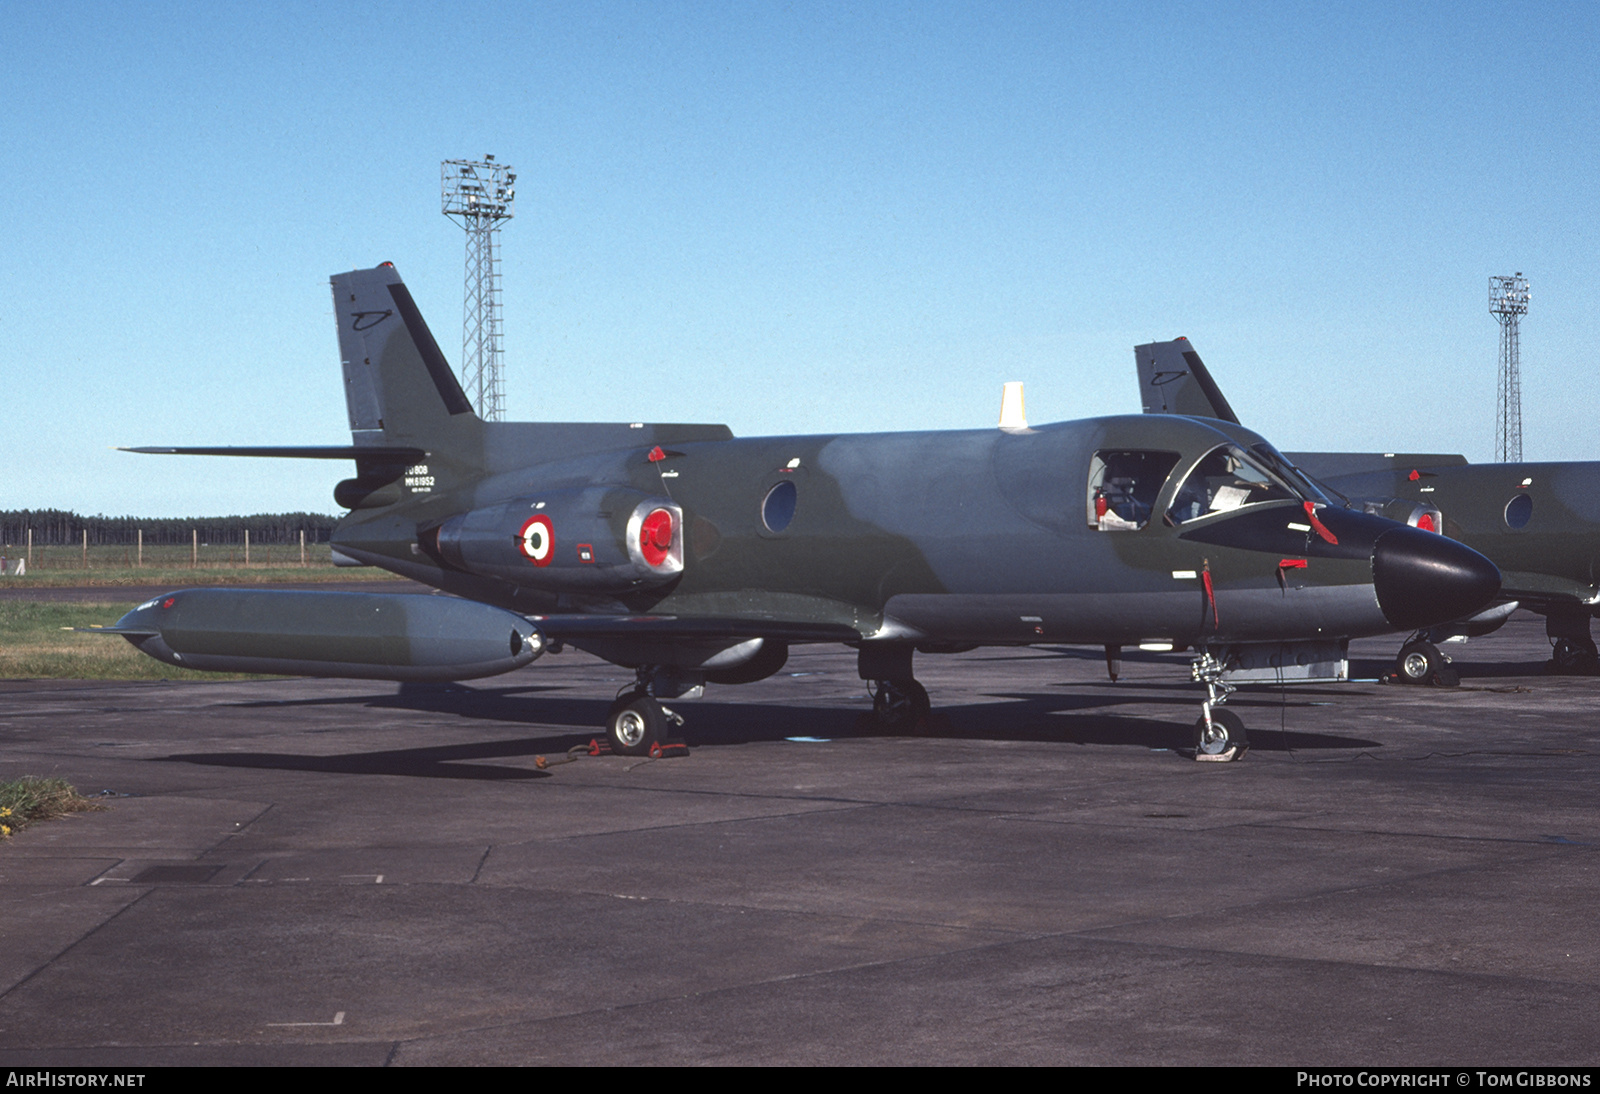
point(455, 400)
point(1213, 393)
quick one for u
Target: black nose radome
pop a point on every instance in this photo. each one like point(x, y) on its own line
point(1422, 578)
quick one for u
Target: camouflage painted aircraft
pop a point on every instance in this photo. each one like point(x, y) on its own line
point(1538, 522)
point(694, 557)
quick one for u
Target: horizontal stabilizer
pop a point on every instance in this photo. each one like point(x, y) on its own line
point(385, 453)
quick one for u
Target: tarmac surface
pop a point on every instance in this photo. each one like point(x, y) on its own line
point(338, 872)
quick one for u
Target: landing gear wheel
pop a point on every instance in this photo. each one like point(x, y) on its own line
point(1422, 663)
point(634, 724)
point(1571, 658)
point(1224, 740)
point(900, 704)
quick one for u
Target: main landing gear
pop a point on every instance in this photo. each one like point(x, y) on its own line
point(899, 704)
point(1420, 662)
point(1219, 735)
point(898, 701)
point(637, 722)
point(1572, 650)
point(1569, 658)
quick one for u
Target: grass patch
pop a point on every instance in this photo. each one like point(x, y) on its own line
point(184, 577)
point(54, 567)
point(32, 798)
point(34, 645)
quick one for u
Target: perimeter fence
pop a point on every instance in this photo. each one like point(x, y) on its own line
point(53, 539)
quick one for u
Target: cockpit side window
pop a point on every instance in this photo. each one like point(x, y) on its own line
point(1123, 485)
point(1225, 479)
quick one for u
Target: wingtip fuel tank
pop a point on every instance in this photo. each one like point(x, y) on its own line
point(375, 636)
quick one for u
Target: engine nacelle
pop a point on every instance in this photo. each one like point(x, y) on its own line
point(375, 636)
point(1417, 514)
point(595, 539)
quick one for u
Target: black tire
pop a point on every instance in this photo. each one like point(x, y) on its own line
point(1226, 739)
point(1570, 658)
point(900, 704)
point(634, 724)
point(1418, 662)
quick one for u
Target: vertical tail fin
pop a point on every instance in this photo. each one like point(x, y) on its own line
point(399, 388)
point(1173, 380)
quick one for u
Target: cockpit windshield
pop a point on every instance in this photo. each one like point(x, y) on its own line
point(1279, 464)
point(1228, 478)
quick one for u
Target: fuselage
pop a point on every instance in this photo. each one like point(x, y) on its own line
point(1081, 532)
point(695, 557)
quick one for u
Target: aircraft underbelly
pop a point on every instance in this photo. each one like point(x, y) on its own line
point(1183, 616)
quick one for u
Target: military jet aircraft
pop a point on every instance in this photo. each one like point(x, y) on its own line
point(694, 557)
point(1539, 522)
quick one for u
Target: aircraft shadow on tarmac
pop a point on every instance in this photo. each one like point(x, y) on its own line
point(438, 762)
point(1049, 717)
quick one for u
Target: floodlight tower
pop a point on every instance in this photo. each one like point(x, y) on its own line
point(1508, 303)
point(478, 195)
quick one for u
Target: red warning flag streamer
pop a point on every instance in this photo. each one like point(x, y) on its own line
point(1211, 593)
point(658, 456)
point(1288, 564)
point(1321, 529)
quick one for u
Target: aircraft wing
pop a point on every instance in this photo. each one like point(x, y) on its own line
point(578, 626)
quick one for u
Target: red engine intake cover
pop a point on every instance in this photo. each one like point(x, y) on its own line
point(655, 536)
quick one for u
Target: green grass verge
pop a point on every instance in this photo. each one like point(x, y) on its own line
point(55, 567)
point(34, 645)
point(184, 577)
point(31, 798)
point(60, 567)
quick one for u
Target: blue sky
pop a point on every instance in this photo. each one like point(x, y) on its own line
point(791, 218)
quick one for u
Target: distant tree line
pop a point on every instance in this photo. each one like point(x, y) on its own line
point(57, 527)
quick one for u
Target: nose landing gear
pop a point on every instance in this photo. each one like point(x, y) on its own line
point(1219, 735)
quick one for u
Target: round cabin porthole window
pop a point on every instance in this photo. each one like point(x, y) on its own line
point(777, 508)
point(1518, 510)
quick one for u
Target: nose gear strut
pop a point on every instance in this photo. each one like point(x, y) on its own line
point(1219, 735)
